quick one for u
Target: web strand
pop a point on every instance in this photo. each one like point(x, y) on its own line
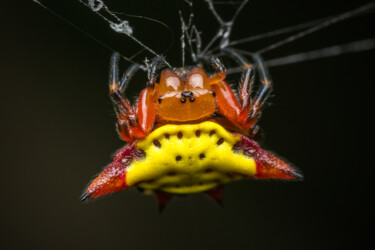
point(122, 26)
point(323, 25)
point(336, 50)
point(84, 32)
point(225, 29)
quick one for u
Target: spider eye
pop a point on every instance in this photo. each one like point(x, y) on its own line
point(196, 81)
point(173, 83)
point(169, 82)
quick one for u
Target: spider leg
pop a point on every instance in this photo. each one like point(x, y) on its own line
point(225, 98)
point(247, 81)
point(245, 112)
point(154, 70)
point(265, 79)
point(252, 106)
point(132, 122)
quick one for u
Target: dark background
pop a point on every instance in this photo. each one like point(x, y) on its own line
point(58, 131)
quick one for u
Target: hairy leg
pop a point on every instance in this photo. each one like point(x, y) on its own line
point(245, 112)
point(132, 122)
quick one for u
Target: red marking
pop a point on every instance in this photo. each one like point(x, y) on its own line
point(113, 178)
point(216, 194)
point(163, 199)
point(268, 165)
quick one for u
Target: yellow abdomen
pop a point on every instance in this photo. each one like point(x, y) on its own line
point(188, 158)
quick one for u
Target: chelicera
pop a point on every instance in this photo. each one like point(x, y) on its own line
point(188, 95)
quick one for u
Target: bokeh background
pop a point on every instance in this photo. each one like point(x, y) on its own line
point(58, 131)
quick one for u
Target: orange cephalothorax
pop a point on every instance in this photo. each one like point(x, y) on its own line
point(186, 96)
point(184, 101)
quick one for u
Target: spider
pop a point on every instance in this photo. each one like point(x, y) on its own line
point(188, 131)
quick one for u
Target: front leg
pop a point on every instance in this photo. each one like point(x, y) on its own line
point(132, 122)
point(242, 113)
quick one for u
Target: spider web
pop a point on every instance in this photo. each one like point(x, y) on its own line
point(222, 37)
point(115, 23)
point(192, 43)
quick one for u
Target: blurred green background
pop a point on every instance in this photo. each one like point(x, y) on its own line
point(58, 131)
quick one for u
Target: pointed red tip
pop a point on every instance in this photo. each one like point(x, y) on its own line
point(163, 198)
point(269, 166)
point(113, 178)
point(216, 194)
point(110, 180)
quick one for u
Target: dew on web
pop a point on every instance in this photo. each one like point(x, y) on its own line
point(122, 27)
point(95, 5)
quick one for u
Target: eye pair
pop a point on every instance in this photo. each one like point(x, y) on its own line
point(187, 94)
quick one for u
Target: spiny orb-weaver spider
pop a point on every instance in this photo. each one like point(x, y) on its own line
point(188, 132)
